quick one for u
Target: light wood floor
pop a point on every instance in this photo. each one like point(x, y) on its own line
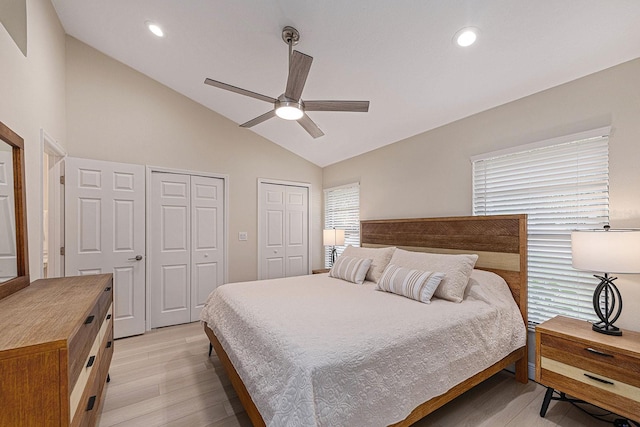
point(164, 378)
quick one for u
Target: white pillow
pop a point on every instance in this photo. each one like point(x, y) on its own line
point(350, 269)
point(379, 259)
point(415, 284)
point(457, 270)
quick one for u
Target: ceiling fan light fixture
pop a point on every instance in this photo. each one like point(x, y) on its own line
point(466, 36)
point(289, 110)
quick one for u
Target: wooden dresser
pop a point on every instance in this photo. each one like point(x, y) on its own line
point(597, 368)
point(56, 343)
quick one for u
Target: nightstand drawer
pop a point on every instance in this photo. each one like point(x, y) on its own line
point(593, 379)
point(618, 397)
point(592, 358)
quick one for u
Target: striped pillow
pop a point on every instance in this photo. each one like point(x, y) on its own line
point(350, 268)
point(415, 284)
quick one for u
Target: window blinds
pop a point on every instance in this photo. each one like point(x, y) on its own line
point(562, 187)
point(342, 211)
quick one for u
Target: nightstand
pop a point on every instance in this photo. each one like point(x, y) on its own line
point(600, 369)
point(320, 270)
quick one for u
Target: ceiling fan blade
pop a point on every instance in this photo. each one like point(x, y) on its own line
point(298, 72)
point(239, 90)
point(310, 127)
point(259, 119)
point(355, 106)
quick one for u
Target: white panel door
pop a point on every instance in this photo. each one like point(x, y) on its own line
point(8, 258)
point(105, 233)
point(273, 230)
point(207, 240)
point(284, 247)
point(296, 231)
point(170, 249)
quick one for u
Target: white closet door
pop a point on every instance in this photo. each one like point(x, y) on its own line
point(105, 233)
point(296, 231)
point(284, 228)
point(8, 254)
point(170, 248)
point(272, 216)
point(207, 240)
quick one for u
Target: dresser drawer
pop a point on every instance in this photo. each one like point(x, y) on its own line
point(105, 300)
point(81, 342)
point(86, 375)
point(592, 358)
point(88, 407)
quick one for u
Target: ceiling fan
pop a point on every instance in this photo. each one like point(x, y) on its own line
point(289, 105)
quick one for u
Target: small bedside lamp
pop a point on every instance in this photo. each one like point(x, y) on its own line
point(606, 251)
point(333, 237)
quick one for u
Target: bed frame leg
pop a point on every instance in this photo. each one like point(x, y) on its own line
point(210, 349)
point(522, 369)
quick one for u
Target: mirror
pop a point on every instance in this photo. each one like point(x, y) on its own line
point(14, 263)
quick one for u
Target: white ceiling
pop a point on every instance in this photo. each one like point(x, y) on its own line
point(397, 54)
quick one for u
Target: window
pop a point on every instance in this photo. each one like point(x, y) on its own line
point(563, 185)
point(342, 211)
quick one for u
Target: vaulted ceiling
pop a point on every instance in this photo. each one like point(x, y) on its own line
point(399, 55)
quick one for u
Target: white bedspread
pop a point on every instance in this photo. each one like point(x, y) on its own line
point(319, 351)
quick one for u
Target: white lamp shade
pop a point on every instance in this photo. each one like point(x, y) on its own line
point(333, 237)
point(613, 251)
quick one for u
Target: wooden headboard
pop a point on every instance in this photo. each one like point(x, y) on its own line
point(499, 240)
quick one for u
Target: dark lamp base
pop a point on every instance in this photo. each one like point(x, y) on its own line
point(607, 303)
point(606, 329)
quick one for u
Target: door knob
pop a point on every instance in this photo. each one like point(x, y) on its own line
point(137, 258)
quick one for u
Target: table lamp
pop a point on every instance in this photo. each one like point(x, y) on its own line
point(606, 251)
point(332, 237)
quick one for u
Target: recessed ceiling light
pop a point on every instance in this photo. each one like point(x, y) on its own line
point(466, 36)
point(155, 28)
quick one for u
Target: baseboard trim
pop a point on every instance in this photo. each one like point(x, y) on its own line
point(532, 371)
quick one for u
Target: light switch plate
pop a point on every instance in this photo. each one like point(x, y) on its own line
point(242, 236)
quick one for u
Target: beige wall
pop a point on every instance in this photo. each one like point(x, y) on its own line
point(430, 174)
point(33, 98)
point(117, 114)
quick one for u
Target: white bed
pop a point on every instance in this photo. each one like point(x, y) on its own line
point(320, 351)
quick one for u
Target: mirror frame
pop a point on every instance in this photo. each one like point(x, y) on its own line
point(20, 197)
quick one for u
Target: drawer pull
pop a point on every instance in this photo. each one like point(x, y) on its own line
point(598, 352)
point(107, 289)
point(108, 316)
point(598, 379)
point(92, 359)
point(89, 319)
point(91, 403)
point(108, 344)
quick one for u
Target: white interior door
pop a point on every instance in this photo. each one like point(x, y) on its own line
point(207, 240)
point(296, 231)
point(272, 217)
point(170, 248)
point(284, 230)
point(8, 257)
point(105, 233)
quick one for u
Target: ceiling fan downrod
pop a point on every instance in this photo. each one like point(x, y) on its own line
point(291, 37)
